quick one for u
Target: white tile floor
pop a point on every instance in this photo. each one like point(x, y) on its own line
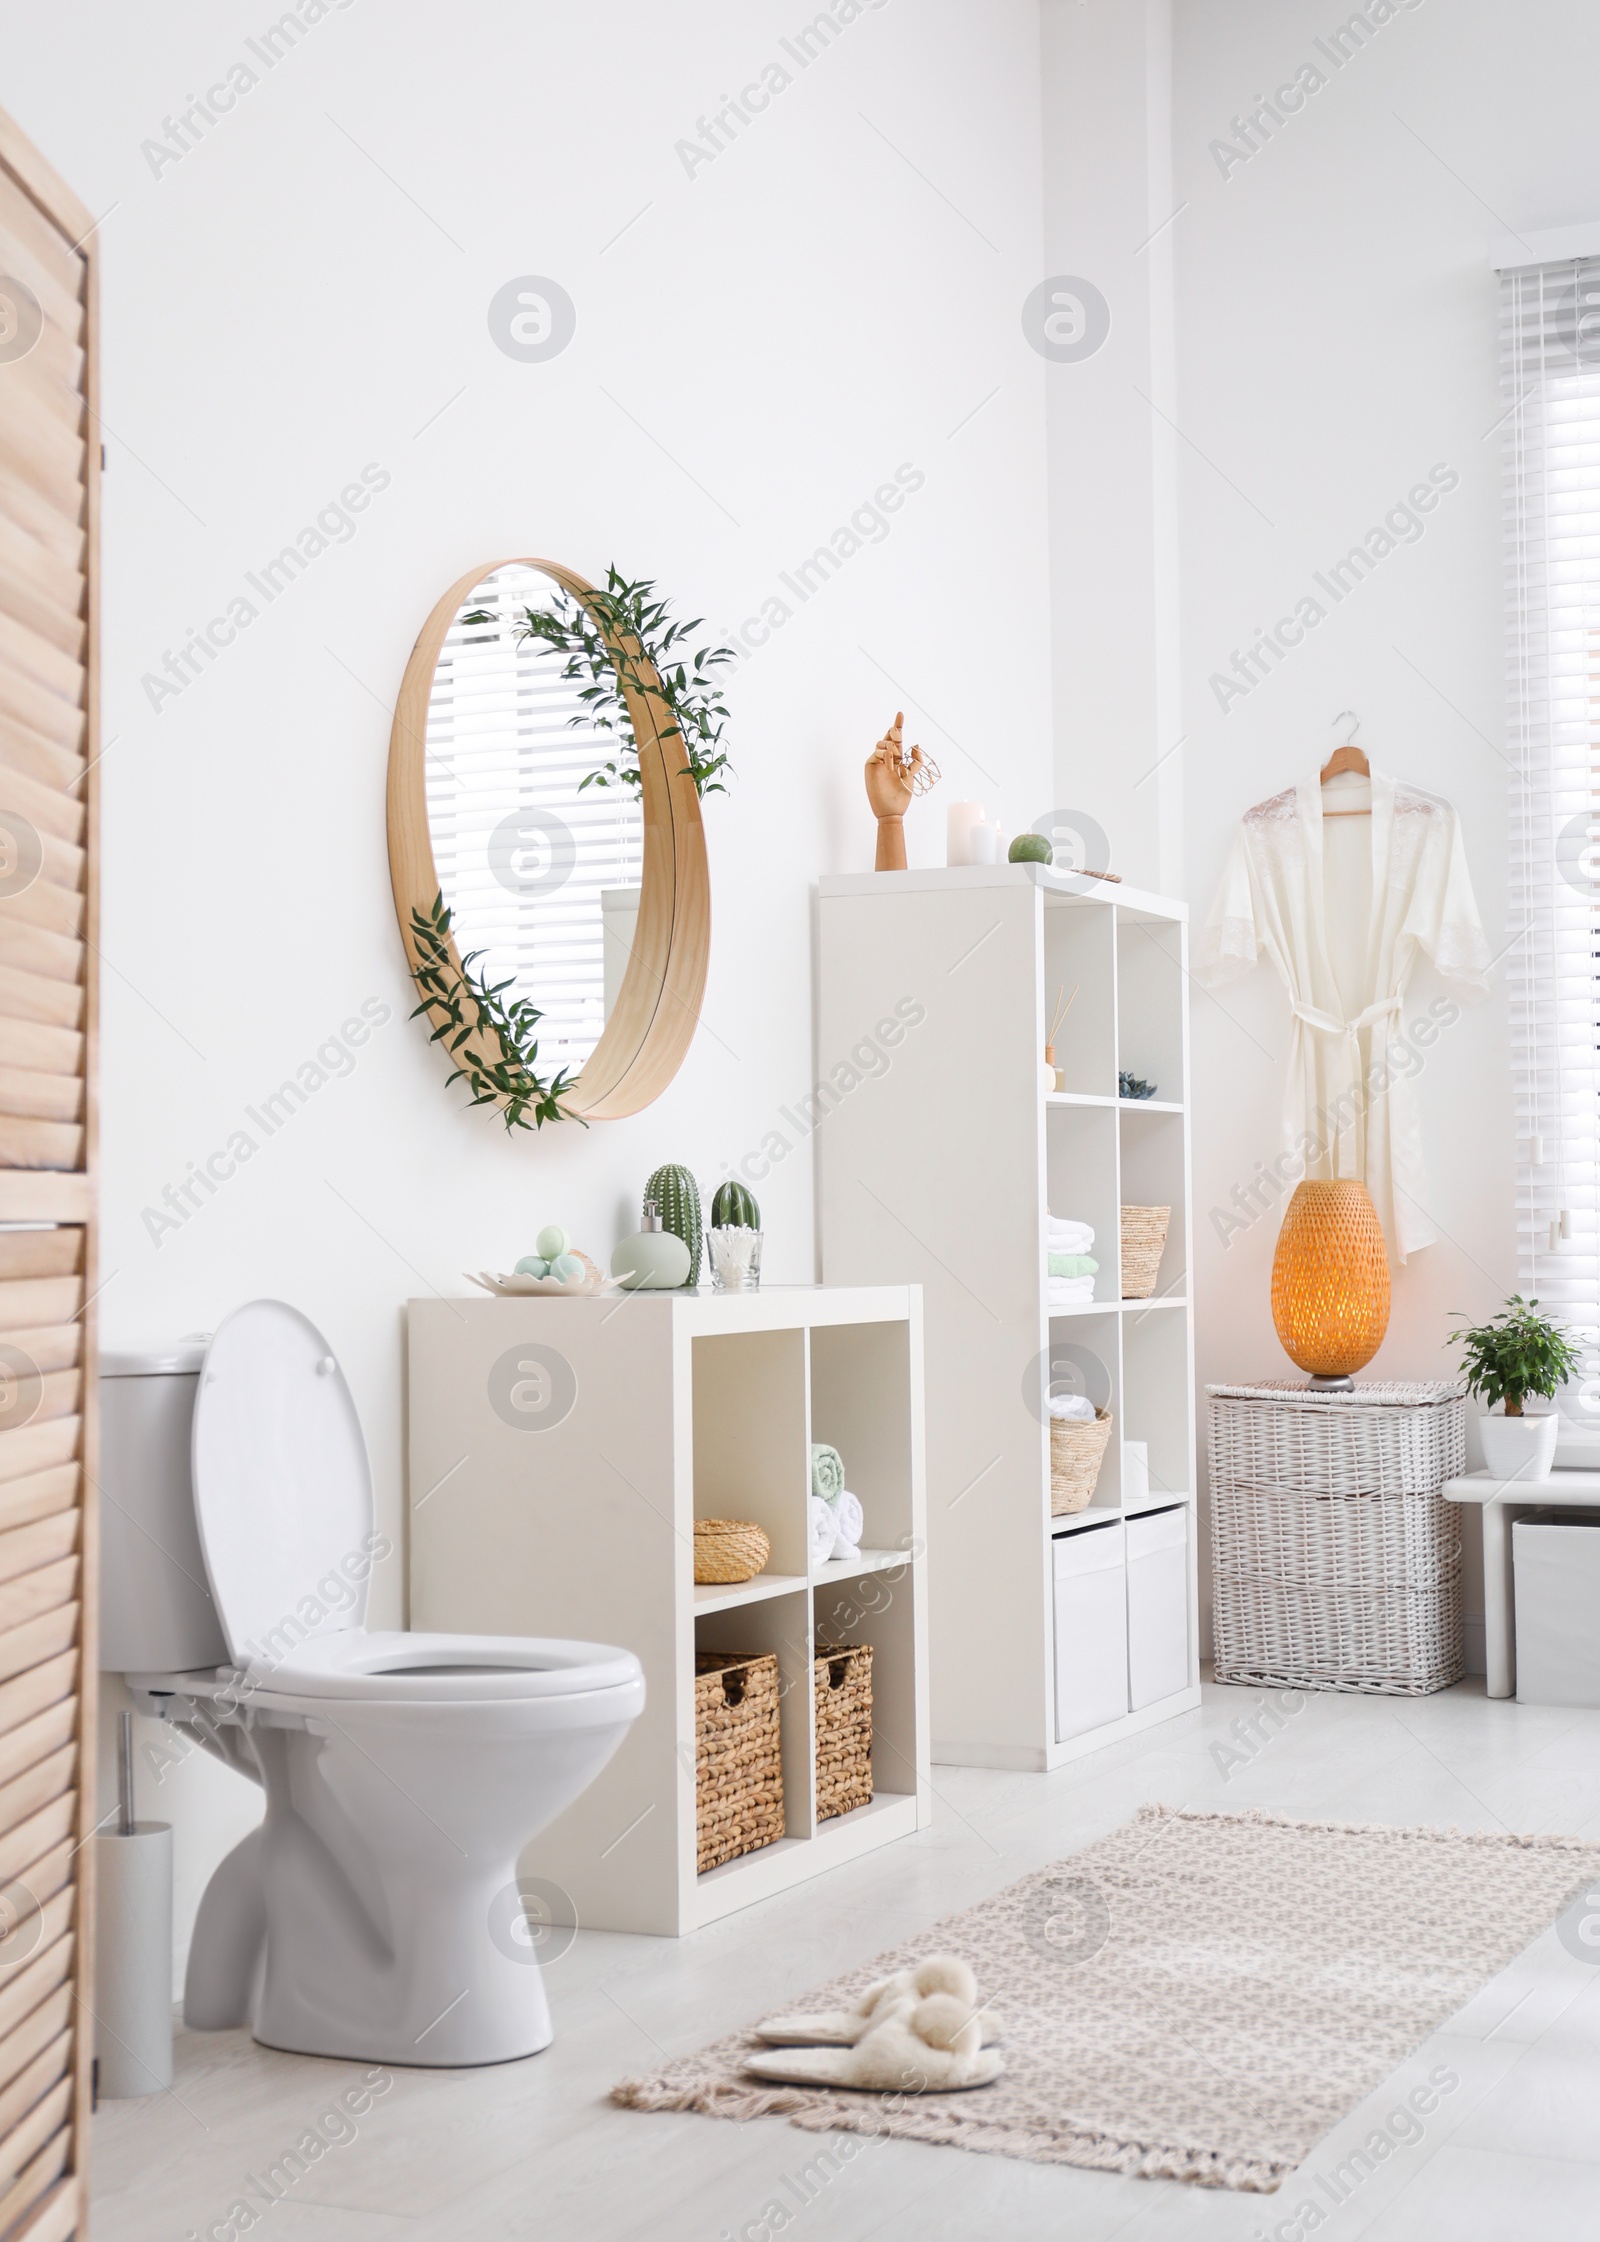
point(535, 2148)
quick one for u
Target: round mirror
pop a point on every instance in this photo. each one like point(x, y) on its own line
point(547, 891)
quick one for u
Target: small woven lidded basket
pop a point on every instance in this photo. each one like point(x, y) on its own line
point(738, 1797)
point(841, 1681)
point(1077, 1450)
point(1144, 1238)
point(728, 1550)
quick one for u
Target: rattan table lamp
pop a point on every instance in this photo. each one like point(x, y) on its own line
point(1330, 1281)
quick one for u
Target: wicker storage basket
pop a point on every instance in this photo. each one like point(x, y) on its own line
point(1336, 1563)
point(728, 1550)
point(738, 1762)
point(1077, 1450)
point(841, 1680)
point(1144, 1238)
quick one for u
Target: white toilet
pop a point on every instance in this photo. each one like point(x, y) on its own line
point(376, 1913)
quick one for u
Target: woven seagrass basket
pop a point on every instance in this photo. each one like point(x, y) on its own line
point(728, 1550)
point(1144, 1238)
point(738, 1761)
point(1077, 1450)
point(841, 1677)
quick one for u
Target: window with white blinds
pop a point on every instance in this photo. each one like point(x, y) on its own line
point(540, 873)
point(1550, 363)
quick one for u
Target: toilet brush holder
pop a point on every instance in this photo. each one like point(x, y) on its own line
point(133, 1948)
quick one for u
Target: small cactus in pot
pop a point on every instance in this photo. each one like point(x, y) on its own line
point(734, 1208)
point(677, 1200)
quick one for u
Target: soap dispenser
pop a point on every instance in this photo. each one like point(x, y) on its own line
point(653, 1259)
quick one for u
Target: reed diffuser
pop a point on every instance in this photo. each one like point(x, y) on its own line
point(1064, 1003)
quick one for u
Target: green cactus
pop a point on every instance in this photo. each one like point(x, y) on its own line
point(677, 1201)
point(734, 1208)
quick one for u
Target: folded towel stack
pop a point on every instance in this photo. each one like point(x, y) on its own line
point(1069, 1270)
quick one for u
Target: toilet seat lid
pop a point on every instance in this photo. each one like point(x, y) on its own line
point(282, 1486)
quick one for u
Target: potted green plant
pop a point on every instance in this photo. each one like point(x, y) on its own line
point(1515, 1354)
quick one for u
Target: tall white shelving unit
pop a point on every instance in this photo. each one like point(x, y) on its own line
point(939, 1153)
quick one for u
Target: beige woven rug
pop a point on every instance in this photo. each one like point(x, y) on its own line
point(1195, 1997)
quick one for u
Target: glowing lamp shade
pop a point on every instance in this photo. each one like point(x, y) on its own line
point(1330, 1279)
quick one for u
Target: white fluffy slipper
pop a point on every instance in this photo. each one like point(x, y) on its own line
point(843, 2027)
point(931, 2046)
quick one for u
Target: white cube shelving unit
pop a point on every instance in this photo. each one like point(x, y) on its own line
point(939, 1154)
point(560, 1451)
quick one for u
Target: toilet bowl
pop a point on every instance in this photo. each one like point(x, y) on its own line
point(376, 1914)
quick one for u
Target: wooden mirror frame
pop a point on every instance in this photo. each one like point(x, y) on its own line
point(657, 1010)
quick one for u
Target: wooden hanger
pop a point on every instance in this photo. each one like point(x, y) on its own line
point(1347, 758)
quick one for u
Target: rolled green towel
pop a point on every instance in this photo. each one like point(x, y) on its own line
point(827, 1471)
point(1070, 1265)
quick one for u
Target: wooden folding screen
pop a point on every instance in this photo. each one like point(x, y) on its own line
point(49, 501)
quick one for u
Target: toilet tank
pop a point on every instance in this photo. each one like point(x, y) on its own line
point(156, 1613)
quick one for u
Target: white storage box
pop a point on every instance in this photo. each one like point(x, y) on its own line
point(1158, 1606)
point(1135, 1471)
point(1091, 1628)
point(1555, 1558)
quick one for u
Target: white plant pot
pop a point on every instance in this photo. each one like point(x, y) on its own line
point(1519, 1447)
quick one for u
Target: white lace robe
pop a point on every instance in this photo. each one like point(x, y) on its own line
point(1341, 908)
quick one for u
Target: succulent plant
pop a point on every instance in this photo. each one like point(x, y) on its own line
point(677, 1200)
point(734, 1208)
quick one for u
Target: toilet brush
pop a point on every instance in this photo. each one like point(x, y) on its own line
point(125, 1774)
point(133, 1945)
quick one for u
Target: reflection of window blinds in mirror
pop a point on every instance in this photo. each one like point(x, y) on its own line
point(1550, 363)
point(500, 746)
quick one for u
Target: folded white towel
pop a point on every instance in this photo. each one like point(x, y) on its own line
point(1076, 1408)
point(824, 1530)
point(835, 1529)
point(1068, 1292)
point(848, 1522)
point(1068, 1237)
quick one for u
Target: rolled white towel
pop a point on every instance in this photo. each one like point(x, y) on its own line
point(824, 1530)
point(848, 1522)
point(1073, 1408)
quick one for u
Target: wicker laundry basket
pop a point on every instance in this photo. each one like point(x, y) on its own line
point(1077, 1450)
point(728, 1550)
point(1144, 1239)
point(738, 1760)
point(841, 1680)
point(1336, 1562)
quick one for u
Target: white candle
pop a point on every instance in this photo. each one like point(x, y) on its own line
point(960, 821)
point(980, 843)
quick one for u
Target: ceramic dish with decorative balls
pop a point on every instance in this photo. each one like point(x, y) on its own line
point(556, 1266)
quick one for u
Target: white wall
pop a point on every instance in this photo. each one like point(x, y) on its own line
point(1337, 337)
point(1114, 556)
point(759, 345)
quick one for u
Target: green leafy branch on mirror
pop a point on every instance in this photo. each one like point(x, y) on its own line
point(625, 636)
point(469, 1011)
